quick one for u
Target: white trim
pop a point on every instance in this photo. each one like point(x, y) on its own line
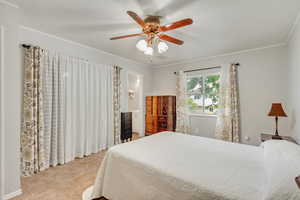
point(13, 194)
point(79, 44)
point(289, 37)
point(1, 114)
point(202, 115)
point(293, 29)
point(9, 4)
point(142, 106)
point(192, 60)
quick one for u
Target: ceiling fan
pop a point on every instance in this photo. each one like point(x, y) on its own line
point(154, 32)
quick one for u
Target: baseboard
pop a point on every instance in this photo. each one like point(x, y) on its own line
point(13, 194)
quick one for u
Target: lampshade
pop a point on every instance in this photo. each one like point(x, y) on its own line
point(162, 47)
point(149, 51)
point(142, 45)
point(277, 110)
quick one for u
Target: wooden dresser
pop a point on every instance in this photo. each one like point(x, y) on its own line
point(160, 114)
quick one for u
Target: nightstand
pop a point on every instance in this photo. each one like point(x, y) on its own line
point(265, 137)
point(297, 179)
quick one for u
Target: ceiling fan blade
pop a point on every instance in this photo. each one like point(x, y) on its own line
point(136, 18)
point(170, 39)
point(176, 25)
point(126, 36)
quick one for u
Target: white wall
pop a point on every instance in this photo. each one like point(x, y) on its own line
point(1, 117)
point(134, 103)
point(14, 36)
point(294, 82)
point(262, 80)
point(53, 43)
point(9, 17)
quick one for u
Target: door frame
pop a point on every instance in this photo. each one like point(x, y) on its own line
point(141, 99)
point(2, 137)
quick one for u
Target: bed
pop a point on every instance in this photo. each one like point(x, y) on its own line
point(169, 166)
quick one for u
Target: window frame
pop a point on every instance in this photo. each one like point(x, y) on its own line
point(201, 73)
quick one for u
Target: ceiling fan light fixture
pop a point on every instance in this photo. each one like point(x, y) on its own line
point(162, 47)
point(142, 45)
point(149, 51)
point(154, 31)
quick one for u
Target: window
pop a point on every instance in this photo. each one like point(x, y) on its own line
point(203, 92)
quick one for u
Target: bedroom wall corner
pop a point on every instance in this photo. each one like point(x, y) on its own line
point(262, 81)
point(11, 91)
point(294, 81)
point(68, 47)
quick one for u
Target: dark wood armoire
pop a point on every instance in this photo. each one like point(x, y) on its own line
point(160, 114)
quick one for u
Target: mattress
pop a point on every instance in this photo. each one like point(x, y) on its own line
point(172, 165)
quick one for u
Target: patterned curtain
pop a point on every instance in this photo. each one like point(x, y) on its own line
point(228, 122)
point(32, 146)
point(116, 104)
point(182, 117)
point(67, 109)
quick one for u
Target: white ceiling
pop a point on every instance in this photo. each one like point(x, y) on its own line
point(220, 26)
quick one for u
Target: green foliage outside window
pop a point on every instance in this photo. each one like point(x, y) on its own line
point(192, 106)
point(193, 82)
point(212, 89)
point(203, 93)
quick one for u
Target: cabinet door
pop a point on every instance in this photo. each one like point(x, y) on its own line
point(149, 124)
point(160, 114)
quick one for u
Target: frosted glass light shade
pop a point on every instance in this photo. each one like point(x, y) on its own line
point(142, 45)
point(162, 47)
point(149, 51)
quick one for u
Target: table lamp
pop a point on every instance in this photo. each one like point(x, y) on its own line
point(277, 111)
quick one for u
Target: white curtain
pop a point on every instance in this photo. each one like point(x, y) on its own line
point(228, 121)
point(182, 117)
point(53, 96)
point(78, 108)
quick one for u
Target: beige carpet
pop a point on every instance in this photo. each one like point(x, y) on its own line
point(64, 182)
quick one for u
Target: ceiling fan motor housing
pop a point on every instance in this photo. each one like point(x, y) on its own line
point(152, 25)
point(151, 28)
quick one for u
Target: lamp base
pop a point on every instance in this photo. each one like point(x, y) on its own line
point(276, 137)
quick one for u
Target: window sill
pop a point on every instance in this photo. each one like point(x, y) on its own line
point(202, 115)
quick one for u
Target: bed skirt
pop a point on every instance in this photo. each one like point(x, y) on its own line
point(87, 193)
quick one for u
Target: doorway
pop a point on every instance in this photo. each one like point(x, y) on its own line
point(135, 102)
point(1, 115)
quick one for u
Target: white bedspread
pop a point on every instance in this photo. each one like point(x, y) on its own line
point(187, 168)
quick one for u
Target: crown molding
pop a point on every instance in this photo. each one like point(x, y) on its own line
point(13, 5)
point(198, 59)
point(293, 29)
point(286, 42)
point(79, 44)
point(2, 130)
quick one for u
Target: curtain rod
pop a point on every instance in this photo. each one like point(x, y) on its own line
point(27, 46)
point(207, 68)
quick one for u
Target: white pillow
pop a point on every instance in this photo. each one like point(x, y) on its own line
point(282, 165)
